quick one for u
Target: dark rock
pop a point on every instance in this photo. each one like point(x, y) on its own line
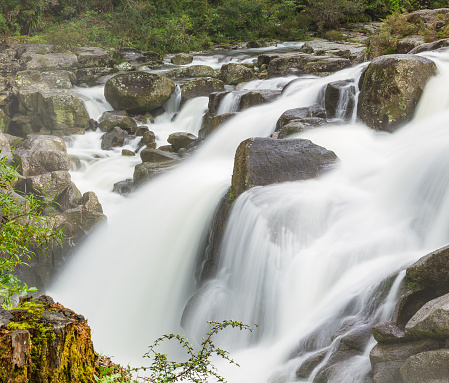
point(390, 89)
point(388, 332)
point(48, 185)
point(90, 76)
point(326, 65)
point(264, 161)
point(340, 94)
point(138, 92)
point(182, 59)
point(212, 123)
point(113, 138)
point(233, 74)
point(214, 101)
point(201, 87)
point(110, 120)
point(128, 153)
point(181, 140)
point(124, 187)
point(140, 131)
point(148, 170)
point(430, 46)
point(257, 97)
point(68, 198)
point(307, 367)
point(301, 125)
point(157, 156)
point(265, 58)
point(148, 138)
point(299, 114)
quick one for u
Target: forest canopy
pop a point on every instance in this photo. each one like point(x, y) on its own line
point(182, 25)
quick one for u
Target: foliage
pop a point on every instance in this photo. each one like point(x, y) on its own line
point(198, 368)
point(22, 231)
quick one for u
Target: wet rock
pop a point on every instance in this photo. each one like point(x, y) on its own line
point(307, 367)
point(90, 76)
point(340, 94)
point(388, 332)
point(201, 87)
point(124, 187)
point(110, 120)
point(326, 65)
point(128, 153)
point(193, 71)
point(212, 123)
point(148, 170)
point(233, 74)
point(430, 366)
point(265, 58)
point(214, 101)
point(264, 161)
point(390, 89)
point(430, 46)
point(60, 347)
point(181, 140)
point(299, 114)
point(258, 97)
point(138, 92)
point(157, 156)
point(301, 125)
point(148, 138)
point(41, 154)
point(113, 138)
point(182, 59)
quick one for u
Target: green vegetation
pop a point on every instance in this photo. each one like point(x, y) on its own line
point(198, 368)
point(23, 230)
point(182, 25)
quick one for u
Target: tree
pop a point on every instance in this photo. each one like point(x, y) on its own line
point(23, 231)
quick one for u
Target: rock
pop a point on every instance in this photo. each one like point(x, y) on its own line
point(90, 76)
point(326, 65)
point(307, 367)
point(59, 79)
point(201, 87)
point(138, 92)
point(387, 359)
point(233, 74)
point(265, 58)
point(388, 332)
point(301, 125)
point(50, 61)
point(89, 57)
point(408, 43)
point(340, 94)
point(113, 138)
point(430, 366)
point(157, 156)
point(181, 140)
point(258, 97)
point(214, 101)
point(124, 66)
point(148, 138)
point(280, 65)
point(68, 198)
point(5, 148)
point(434, 18)
point(41, 154)
point(124, 187)
point(182, 59)
point(47, 185)
point(212, 123)
point(128, 153)
point(264, 161)
point(430, 46)
point(390, 89)
point(431, 320)
point(191, 71)
point(110, 120)
point(148, 170)
point(43, 341)
point(54, 111)
point(425, 280)
point(299, 114)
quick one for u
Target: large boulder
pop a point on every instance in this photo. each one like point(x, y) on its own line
point(89, 57)
point(258, 97)
point(300, 114)
point(49, 61)
point(265, 161)
point(181, 140)
point(182, 59)
point(40, 154)
point(110, 120)
point(430, 46)
point(138, 92)
point(212, 123)
point(233, 74)
point(201, 87)
point(157, 156)
point(390, 89)
point(430, 366)
point(42, 341)
point(48, 185)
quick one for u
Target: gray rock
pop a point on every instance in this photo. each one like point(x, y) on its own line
point(300, 125)
point(90, 76)
point(430, 366)
point(212, 123)
point(338, 94)
point(181, 140)
point(408, 43)
point(50, 61)
point(388, 332)
point(201, 87)
point(182, 59)
point(214, 101)
point(390, 89)
point(148, 170)
point(47, 185)
point(157, 156)
point(299, 114)
point(124, 187)
point(265, 161)
point(138, 92)
point(194, 71)
point(234, 74)
point(110, 120)
point(326, 65)
point(89, 57)
point(430, 46)
point(258, 97)
point(113, 138)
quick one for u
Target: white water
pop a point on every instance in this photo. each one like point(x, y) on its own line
point(300, 259)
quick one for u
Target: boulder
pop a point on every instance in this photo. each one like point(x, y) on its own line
point(430, 366)
point(201, 87)
point(138, 92)
point(5, 148)
point(59, 79)
point(340, 98)
point(300, 125)
point(48, 185)
point(124, 187)
point(408, 43)
point(280, 65)
point(68, 198)
point(89, 57)
point(182, 59)
point(90, 76)
point(257, 97)
point(212, 123)
point(113, 138)
point(431, 320)
point(265, 161)
point(299, 114)
point(157, 156)
point(214, 101)
point(49, 61)
point(388, 332)
point(148, 170)
point(390, 88)
point(307, 367)
point(430, 46)
point(433, 18)
point(110, 120)
point(233, 74)
point(265, 58)
point(41, 154)
point(326, 65)
point(181, 140)
point(387, 359)
point(148, 138)
point(43, 341)
point(193, 71)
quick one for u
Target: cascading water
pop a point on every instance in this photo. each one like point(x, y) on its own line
point(306, 260)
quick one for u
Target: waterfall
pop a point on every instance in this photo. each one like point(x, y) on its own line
point(308, 261)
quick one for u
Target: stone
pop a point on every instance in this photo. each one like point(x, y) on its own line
point(265, 161)
point(388, 332)
point(257, 97)
point(148, 170)
point(128, 153)
point(90, 76)
point(138, 92)
point(265, 58)
point(214, 101)
point(69, 197)
point(157, 156)
point(390, 88)
point(181, 140)
point(430, 366)
point(41, 154)
point(59, 349)
point(340, 95)
point(233, 74)
point(47, 185)
point(408, 43)
point(430, 46)
point(201, 87)
point(182, 59)
point(5, 148)
point(300, 125)
point(124, 187)
point(110, 120)
point(431, 320)
point(307, 367)
point(193, 71)
point(113, 138)
point(89, 57)
point(326, 65)
point(148, 138)
point(212, 123)
point(299, 114)
point(50, 61)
